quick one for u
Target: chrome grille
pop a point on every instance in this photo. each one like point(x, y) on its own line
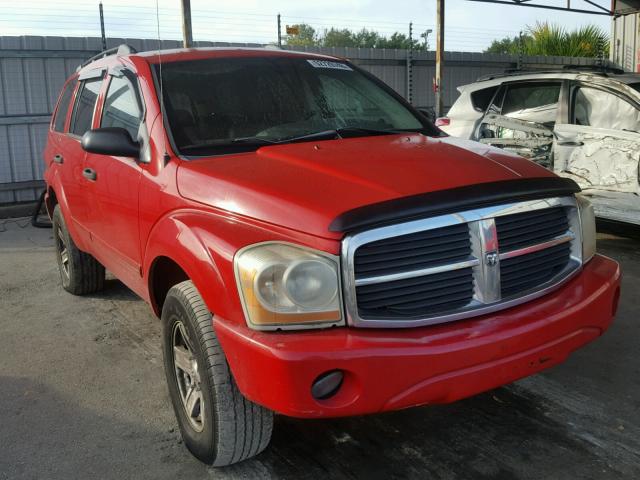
point(460, 265)
point(416, 250)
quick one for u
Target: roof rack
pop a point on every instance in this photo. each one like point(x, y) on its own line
point(123, 49)
point(603, 70)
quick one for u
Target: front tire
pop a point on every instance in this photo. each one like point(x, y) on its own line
point(79, 271)
point(218, 425)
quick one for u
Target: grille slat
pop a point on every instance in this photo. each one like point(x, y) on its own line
point(428, 295)
point(432, 248)
point(521, 263)
point(433, 289)
point(526, 272)
point(529, 228)
point(393, 293)
point(453, 290)
point(449, 245)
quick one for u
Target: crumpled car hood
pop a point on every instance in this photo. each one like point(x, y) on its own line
point(304, 186)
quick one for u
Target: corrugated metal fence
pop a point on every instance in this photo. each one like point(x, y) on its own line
point(33, 69)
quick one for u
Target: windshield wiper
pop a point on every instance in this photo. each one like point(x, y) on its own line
point(374, 131)
point(341, 132)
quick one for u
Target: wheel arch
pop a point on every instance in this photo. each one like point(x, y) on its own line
point(176, 252)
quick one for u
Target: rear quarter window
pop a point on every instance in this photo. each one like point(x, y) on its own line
point(63, 106)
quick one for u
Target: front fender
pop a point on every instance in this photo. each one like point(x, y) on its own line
point(203, 244)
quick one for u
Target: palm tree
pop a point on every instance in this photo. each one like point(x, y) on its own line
point(554, 40)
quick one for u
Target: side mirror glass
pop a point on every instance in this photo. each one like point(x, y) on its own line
point(114, 141)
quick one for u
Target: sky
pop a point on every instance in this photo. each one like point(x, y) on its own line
point(470, 26)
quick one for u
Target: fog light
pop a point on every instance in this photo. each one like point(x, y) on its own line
point(327, 385)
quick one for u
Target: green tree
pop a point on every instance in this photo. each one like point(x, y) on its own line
point(400, 40)
point(506, 46)
point(306, 36)
point(344, 37)
point(338, 38)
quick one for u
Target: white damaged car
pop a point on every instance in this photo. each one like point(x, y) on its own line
point(581, 124)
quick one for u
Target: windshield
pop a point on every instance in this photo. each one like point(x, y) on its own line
point(227, 105)
point(635, 86)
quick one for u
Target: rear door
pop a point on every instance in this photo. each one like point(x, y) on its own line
point(521, 119)
point(72, 153)
point(56, 142)
point(113, 188)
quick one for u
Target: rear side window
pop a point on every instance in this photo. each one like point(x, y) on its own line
point(534, 102)
point(481, 98)
point(121, 107)
point(63, 106)
point(85, 104)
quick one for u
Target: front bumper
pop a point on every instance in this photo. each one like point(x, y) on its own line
point(390, 369)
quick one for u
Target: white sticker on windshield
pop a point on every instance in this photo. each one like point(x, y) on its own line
point(329, 64)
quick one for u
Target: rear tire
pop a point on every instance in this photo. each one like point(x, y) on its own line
point(218, 425)
point(79, 271)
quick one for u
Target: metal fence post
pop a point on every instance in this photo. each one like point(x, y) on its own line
point(104, 37)
point(410, 65)
point(279, 32)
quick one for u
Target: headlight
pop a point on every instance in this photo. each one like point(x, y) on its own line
point(288, 287)
point(588, 225)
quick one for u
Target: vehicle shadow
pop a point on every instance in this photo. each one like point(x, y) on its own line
point(114, 289)
point(45, 434)
point(501, 434)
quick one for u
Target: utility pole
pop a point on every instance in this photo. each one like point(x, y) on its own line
point(104, 37)
point(437, 83)
point(279, 32)
point(410, 65)
point(187, 33)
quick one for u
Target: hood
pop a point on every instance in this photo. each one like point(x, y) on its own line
point(304, 186)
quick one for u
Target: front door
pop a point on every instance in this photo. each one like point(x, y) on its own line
point(600, 149)
point(113, 190)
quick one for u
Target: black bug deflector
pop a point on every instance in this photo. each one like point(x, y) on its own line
point(447, 201)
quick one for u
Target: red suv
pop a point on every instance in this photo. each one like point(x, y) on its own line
point(313, 245)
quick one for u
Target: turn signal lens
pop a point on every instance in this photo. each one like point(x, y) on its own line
point(285, 286)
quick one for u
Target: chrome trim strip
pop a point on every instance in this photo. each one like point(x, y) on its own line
point(486, 297)
point(484, 241)
point(417, 273)
point(560, 239)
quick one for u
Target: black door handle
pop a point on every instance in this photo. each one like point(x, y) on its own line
point(58, 158)
point(89, 174)
point(571, 144)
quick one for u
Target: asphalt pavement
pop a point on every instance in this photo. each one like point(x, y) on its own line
point(83, 395)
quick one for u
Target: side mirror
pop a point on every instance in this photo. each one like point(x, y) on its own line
point(114, 141)
point(428, 112)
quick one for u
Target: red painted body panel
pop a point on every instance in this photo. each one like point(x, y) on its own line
point(305, 186)
point(200, 213)
point(392, 369)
